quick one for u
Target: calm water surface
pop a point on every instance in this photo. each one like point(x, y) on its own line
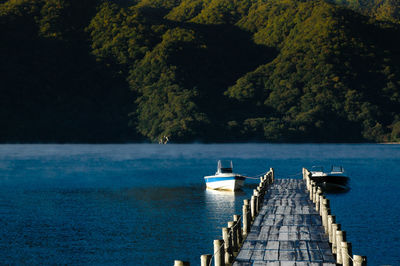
point(145, 204)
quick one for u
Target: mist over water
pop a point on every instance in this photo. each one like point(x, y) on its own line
point(146, 204)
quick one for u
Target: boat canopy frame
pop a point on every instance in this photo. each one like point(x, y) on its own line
point(225, 167)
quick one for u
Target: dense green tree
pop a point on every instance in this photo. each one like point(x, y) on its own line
point(381, 9)
point(165, 107)
point(211, 70)
point(52, 88)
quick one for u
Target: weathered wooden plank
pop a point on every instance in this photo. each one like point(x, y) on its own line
point(266, 263)
point(272, 245)
point(286, 245)
point(313, 245)
point(288, 263)
point(249, 244)
point(257, 255)
point(271, 255)
point(269, 221)
point(242, 263)
point(273, 236)
point(283, 236)
point(301, 244)
point(287, 230)
point(261, 245)
point(293, 236)
point(289, 255)
point(244, 255)
point(315, 255)
point(302, 255)
point(327, 255)
point(302, 263)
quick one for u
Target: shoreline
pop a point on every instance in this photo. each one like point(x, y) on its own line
point(197, 142)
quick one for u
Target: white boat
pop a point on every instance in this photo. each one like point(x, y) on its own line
point(224, 178)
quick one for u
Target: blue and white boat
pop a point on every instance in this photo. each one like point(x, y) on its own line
point(224, 178)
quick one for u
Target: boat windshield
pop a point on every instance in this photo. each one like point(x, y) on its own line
point(225, 166)
point(337, 169)
point(317, 169)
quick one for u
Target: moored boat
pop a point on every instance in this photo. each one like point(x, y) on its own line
point(335, 180)
point(224, 178)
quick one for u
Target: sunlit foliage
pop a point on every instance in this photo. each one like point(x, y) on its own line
point(210, 70)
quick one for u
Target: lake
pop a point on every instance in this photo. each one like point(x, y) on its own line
point(146, 204)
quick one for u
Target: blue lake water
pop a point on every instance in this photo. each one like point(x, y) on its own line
point(146, 204)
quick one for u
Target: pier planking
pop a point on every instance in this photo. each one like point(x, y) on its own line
point(286, 222)
point(287, 230)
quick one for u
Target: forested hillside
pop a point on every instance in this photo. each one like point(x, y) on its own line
point(380, 9)
point(200, 70)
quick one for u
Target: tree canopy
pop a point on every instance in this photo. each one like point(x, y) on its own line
point(208, 70)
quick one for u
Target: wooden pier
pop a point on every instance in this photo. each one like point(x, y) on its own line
point(286, 222)
point(287, 230)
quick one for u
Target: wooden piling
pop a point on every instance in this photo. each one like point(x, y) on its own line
point(233, 233)
point(181, 263)
point(307, 179)
point(272, 174)
point(325, 210)
point(258, 193)
point(331, 221)
point(314, 191)
point(327, 203)
point(246, 225)
point(239, 232)
point(219, 252)
point(261, 190)
point(248, 214)
point(359, 260)
point(205, 260)
point(256, 202)
point(317, 199)
point(321, 203)
point(253, 207)
point(346, 253)
point(339, 240)
point(325, 214)
point(228, 254)
point(335, 228)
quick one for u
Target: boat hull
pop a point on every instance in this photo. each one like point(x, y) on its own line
point(231, 183)
point(332, 182)
point(335, 179)
point(333, 187)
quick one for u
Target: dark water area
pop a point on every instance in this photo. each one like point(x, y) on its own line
point(146, 204)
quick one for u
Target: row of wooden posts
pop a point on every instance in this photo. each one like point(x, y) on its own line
point(234, 234)
point(337, 238)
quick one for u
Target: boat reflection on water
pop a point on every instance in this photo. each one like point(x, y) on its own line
point(221, 205)
point(222, 194)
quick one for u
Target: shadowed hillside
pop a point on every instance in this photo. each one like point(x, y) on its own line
point(219, 70)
